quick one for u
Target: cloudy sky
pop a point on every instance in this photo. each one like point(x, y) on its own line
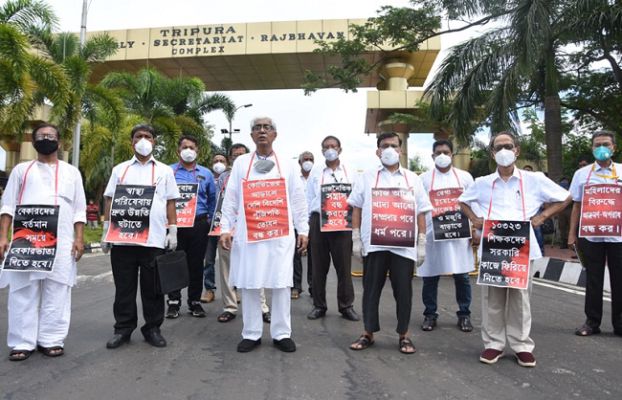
point(302, 120)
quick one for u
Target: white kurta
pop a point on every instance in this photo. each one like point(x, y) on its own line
point(265, 264)
point(40, 190)
point(447, 256)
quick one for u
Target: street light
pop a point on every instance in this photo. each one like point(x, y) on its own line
point(231, 131)
point(75, 158)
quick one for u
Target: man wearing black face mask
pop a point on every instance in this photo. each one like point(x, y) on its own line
point(44, 200)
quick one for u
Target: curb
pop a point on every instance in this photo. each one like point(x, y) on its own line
point(570, 272)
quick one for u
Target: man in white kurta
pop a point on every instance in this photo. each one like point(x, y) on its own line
point(510, 194)
point(453, 257)
point(39, 304)
point(268, 263)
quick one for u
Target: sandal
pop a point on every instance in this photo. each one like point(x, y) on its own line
point(407, 346)
point(55, 351)
point(226, 316)
point(363, 342)
point(20, 355)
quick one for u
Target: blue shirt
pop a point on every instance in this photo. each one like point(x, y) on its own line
point(206, 201)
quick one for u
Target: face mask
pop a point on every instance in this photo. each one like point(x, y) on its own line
point(219, 168)
point(389, 157)
point(143, 147)
point(331, 155)
point(602, 153)
point(46, 146)
point(263, 166)
point(505, 157)
point(307, 165)
point(442, 161)
point(188, 155)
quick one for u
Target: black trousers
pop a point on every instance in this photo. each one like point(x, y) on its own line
point(298, 268)
point(595, 255)
point(325, 245)
point(128, 262)
point(375, 267)
point(193, 241)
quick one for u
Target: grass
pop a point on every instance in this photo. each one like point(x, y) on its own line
point(92, 235)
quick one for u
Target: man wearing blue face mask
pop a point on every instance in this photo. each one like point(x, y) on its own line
point(598, 251)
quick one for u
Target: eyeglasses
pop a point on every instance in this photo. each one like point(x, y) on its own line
point(48, 136)
point(260, 127)
point(499, 147)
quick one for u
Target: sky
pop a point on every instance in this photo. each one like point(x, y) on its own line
point(302, 121)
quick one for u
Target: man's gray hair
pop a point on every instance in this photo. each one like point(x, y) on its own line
point(305, 153)
point(601, 133)
point(254, 121)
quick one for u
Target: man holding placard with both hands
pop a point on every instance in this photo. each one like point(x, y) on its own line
point(508, 202)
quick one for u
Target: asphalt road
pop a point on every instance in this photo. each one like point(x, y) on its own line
point(200, 361)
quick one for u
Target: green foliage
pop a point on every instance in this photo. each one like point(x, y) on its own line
point(415, 164)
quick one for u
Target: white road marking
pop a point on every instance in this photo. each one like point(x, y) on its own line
point(563, 288)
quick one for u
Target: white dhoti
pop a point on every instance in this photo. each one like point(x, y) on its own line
point(39, 314)
point(280, 325)
point(506, 318)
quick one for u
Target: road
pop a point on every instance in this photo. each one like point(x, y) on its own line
point(200, 361)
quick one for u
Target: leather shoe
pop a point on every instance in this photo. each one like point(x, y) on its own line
point(350, 314)
point(286, 344)
point(154, 338)
point(117, 340)
point(464, 323)
point(316, 313)
point(247, 345)
point(428, 324)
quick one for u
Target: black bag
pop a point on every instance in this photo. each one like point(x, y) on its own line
point(172, 272)
point(548, 227)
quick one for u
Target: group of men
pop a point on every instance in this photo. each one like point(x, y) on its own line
point(266, 213)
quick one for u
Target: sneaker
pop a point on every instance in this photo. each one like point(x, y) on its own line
point(173, 309)
point(490, 356)
point(526, 359)
point(196, 310)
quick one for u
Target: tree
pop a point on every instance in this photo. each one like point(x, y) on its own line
point(26, 80)
point(415, 164)
point(173, 106)
point(86, 98)
point(33, 18)
point(520, 62)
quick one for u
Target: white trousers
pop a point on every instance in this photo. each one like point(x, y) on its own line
point(39, 314)
point(506, 318)
point(280, 325)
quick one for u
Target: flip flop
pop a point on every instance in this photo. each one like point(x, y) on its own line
point(20, 355)
point(226, 316)
point(363, 342)
point(406, 345)
point(55, 351)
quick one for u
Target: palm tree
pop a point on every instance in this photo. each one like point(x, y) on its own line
point(34, 18)
point(173, 106)
point(86, 98)
point(26, 80)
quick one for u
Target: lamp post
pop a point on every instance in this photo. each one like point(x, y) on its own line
point(230, 131)
point(75, 159)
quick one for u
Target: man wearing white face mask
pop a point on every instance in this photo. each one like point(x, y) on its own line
point(219, 165)
point(385, 199)
point(193, 240)
point(327, 242)
point(134, 259)
point(446, 256)
point(510, 194)
point(305, 160)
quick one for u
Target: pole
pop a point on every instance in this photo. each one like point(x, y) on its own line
point(75, 159)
